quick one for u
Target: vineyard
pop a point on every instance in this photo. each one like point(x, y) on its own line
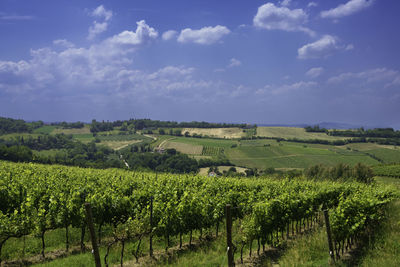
point(36, 199)
point(387, 170)
point(212, 151)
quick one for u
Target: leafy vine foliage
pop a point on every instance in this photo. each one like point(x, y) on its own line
point(35, 198)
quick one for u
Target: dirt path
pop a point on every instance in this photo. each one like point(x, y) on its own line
point(163, 142)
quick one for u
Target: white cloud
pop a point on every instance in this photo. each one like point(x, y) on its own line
point(220, 70)
point(271, 17)
point(324, 47)
point(315, 72)
point(101, 12)
point(15, 68)
point(63, 43)
point(346, 9)
point(312, 4)
point(293, 87)
point(96, 29)
point(204, 36)
point(285, 88)
point(16, 17)
point(285, 2)
point(99, 27)
point(168, 35)
point(144, 33)
point(74, 68)
point(384, 76)
point(234, 63)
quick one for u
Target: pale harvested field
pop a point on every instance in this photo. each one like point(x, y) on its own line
point(117, 145)
point(294, 132)
point(184, 148)
point(228, 133)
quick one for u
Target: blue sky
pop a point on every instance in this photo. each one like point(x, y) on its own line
point(283, 62)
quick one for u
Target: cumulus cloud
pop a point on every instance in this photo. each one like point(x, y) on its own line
point(101, 72)
point(285, 2)
point(234, 63)
point(272, 17)
point(144, 33)
point(72, 68)
point(96, 29)
point(323, 47)
point(204, 36)
point(101, 12)
point(312, 4)
point(168, 35)
point(384, 76)
point(99, 27)
point(285, 88)
point(346, 9)
point(63, 43)
point(314, 72)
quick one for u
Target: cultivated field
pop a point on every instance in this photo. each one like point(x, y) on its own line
point(292, 155)
point(229, 133)
point(117, 145)
point(84, 130)
point(265, 153)
point(184, 148)
point(294, 132)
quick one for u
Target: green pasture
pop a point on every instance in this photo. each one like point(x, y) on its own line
point(47, 129)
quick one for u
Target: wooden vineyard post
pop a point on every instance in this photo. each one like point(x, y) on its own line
point(89, 219)
point(229, 236)
point(151, 226)
point(328, 231)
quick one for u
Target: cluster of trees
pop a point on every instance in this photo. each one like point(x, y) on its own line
point(221, 161)
point(96, 126)
point(70, 152)
point(8, 125)
point(42, 142)
point(141, 124)
point(341, 172)
point(83, 155)
point(377, 132)
point(232, 172)
point(170, 161)
point(315, 129)
point(15, 153)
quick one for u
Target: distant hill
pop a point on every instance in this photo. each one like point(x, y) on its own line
point(326, 125)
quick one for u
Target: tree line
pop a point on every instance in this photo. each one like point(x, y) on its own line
point(9, 125)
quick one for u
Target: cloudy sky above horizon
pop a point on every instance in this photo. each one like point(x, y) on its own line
point(283, 62)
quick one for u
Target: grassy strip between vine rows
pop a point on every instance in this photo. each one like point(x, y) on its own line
point(36, 199)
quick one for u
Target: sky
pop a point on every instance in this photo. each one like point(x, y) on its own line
point(270, 62)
